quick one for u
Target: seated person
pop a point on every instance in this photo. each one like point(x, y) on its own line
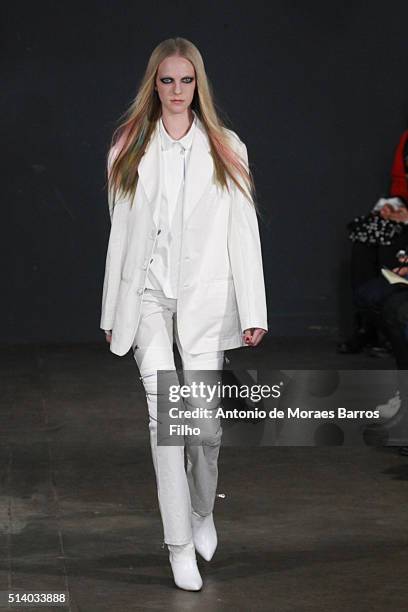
point(393, 310)
point(367, 284)
point(394, 314)
point(369, 287)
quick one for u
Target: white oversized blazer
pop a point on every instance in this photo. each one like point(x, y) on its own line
point(221, 285)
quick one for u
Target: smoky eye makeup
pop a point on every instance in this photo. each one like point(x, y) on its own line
point(167, 80)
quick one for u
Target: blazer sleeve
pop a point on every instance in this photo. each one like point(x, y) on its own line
point(245, 254)
point(114, 258)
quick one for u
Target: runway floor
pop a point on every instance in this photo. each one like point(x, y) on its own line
point(300, 528)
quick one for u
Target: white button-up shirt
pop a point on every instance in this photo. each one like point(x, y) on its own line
point(164, 268)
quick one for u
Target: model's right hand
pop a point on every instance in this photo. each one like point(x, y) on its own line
point(253, 335)
point(108, 336)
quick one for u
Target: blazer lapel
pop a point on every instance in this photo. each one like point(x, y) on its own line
point(150, 172)
point(199, 169)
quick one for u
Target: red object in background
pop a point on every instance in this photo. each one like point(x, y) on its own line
point(399, 180)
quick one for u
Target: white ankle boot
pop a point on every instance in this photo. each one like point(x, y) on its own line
point(184, 566)
point(204, 535)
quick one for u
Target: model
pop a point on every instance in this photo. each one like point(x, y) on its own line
point(184, 264)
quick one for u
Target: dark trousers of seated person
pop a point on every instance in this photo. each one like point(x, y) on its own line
point(368, 285)
point(386, 306)
point(394, 314)
point(369, 299)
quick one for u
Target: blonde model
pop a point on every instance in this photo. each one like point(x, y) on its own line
point(183, 265)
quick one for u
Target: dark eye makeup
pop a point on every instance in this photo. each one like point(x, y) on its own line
point(167, 80)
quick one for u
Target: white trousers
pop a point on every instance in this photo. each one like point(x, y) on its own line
point(181, 487)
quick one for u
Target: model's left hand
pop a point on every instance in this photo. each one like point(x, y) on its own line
point(254, 335)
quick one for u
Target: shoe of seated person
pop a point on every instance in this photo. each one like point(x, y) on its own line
point(362, 337)
point(183, 563)
point(392, 432)
point(349, 347)
point(390, 408)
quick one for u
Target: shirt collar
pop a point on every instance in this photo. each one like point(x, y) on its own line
point(167, 141)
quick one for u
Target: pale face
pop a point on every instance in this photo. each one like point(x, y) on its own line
point(175, 84)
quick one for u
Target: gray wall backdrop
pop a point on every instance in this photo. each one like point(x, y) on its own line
point(317, 90)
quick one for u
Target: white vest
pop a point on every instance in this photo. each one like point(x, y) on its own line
point(165, 263)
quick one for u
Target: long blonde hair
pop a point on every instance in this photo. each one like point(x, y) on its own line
point(131, 137)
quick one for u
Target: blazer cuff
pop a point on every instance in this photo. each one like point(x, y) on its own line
point(105, 327)
point(259, 324)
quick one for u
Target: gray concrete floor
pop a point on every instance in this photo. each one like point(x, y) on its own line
point(313, 529)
